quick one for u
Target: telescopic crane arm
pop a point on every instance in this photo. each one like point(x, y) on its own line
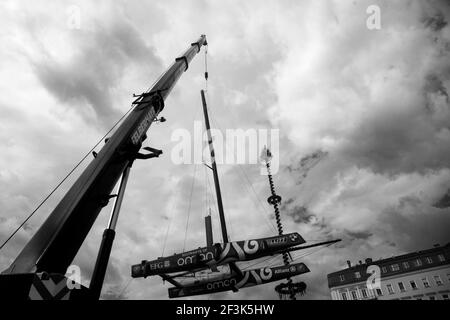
point(54, 246)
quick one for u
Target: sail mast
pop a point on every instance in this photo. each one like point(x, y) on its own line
point(214, 169)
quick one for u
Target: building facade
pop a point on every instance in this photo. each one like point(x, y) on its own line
point(423, 275)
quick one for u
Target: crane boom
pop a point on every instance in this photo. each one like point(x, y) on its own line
point(54, 246)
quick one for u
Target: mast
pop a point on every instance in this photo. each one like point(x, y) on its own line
point(214, 169)
point(54, 246)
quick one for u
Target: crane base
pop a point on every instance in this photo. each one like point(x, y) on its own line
point(41, 286)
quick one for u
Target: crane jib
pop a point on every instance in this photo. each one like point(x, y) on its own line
point(56, 243)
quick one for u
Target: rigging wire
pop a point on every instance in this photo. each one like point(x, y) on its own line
point(225, 196)
point(239, 166)
point(170, 217)
point(269, 223)
point(270, 258)
point(173, 207)
point(126, 287)
point(189, 207)
point(312, 252)
point(206, 188)
point(64, 179)
point(206, 68)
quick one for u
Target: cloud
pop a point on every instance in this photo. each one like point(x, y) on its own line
point(436, 22)
point(102, 57)
point(359, 235)
point(364, 120)
point(443, 202)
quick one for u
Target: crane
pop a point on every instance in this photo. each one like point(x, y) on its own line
point(53, 247)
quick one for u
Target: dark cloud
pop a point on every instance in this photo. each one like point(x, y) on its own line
point(87, 82)
point(359, 235)
point(377, 101)
point(409, 201)
point(300, 214)
point(409, 135)
point(401, 141)
point(436, 22)
point(417, 227)
point(433, 84)
point(444, 201)
point(306, 163)
point(115, 293)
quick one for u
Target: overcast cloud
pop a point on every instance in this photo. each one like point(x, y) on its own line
point(364, 119)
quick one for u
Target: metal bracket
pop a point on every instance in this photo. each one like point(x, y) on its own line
point(169, 279)
point(196, 44)
point(208, 166)
point(236, 269)
point(185, 61)
point(158, 98)
point(153, 153)
point(104, 200)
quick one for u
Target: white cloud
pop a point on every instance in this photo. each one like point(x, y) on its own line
point(376, 101)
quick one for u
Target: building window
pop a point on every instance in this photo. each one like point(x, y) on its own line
point(406, 265)
point(448, 277)
point(432, 298)
point(344, 296)
point(379, 292)
point(445, 297)
point(425, 282)
point(395, 267)
point(429, 260)
point(413, 285)
point(342, 277)
point(441, 257)
point(354, 296)
point(383, 269)
point(357, 275)
point(401, 287)
point(364, 293)
point(418, 262)
point(390, 289)
point(438, 280)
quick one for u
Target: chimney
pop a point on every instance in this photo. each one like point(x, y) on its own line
point(368, 260)
point(360, 262)
point(349, 263)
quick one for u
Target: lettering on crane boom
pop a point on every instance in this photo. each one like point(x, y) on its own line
point(143, 126)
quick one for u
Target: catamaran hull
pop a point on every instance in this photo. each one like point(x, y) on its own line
point(234, 282)
point(217, 255)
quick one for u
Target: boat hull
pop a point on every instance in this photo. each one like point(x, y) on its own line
point(218, 254)
point(234, 282)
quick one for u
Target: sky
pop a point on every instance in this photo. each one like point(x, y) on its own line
point(363, 116)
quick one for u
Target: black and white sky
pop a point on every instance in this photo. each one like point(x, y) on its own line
point(364, 120)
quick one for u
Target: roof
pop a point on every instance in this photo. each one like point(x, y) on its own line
point(406, 263)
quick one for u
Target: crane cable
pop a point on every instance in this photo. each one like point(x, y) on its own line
point(189, 207)
point(63, 180)
point(206, 68)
